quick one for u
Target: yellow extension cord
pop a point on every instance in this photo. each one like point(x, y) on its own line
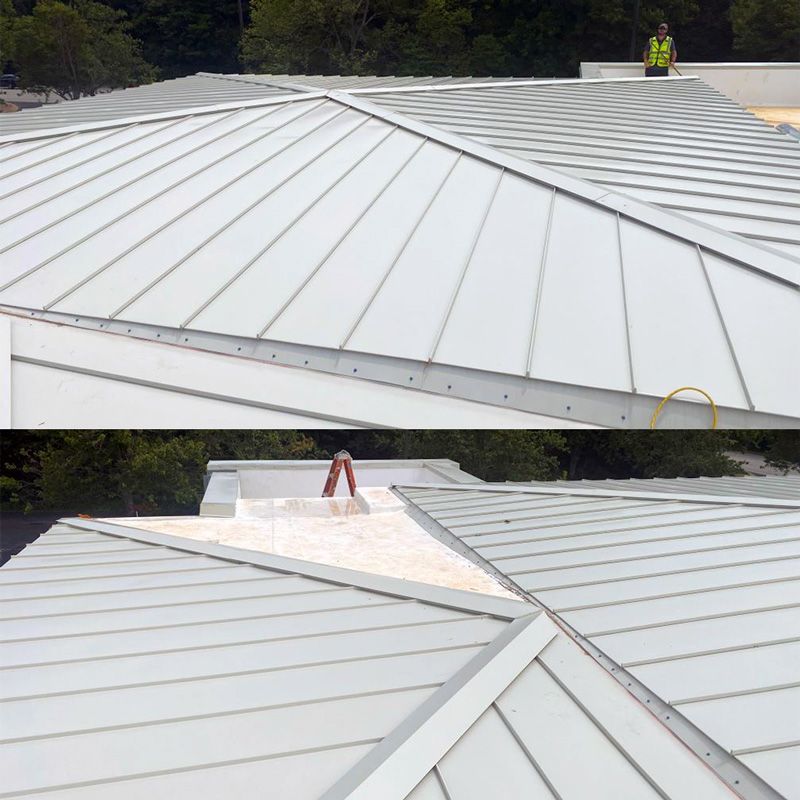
point(669, 397)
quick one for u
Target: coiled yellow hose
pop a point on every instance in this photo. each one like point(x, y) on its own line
point(669, 397)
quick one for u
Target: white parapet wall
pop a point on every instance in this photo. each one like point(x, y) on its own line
point(229, 481)
point(750, 84)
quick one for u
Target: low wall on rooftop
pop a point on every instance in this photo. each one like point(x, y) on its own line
point(749, 84)
point(229, 481)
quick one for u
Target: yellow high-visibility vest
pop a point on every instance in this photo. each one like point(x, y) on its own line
point(660, 52)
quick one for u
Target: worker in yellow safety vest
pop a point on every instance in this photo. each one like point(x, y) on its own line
point(660, 53)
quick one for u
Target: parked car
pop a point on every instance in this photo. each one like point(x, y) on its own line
point(8, 81)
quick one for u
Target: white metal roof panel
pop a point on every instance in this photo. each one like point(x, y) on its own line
point(194, 91)
point(246, 221)
point(218, 675)
point(777, 486)
point(697, 600)
point(189, 92)
point(676, 143)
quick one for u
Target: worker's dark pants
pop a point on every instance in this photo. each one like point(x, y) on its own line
point(656, 72)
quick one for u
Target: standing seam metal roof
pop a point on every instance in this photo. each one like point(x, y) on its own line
point(692, 599)
point(215, 224)
point(786, 487)
point(673, 142)
point(195, 91)
point(140, 664)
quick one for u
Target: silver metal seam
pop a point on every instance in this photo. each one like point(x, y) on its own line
point(61, 154)
point(467, 262)
point(682, 701)
point(654, 556)
point(526, 750)
point(342, 238)
point(133, 180)
point(232, 220)
point(686, 620)
point(721, 319)
point(646, 598)
point(711, 652)
point(286, 228)
point(107, 171)
point(245, 642)
point(627, 320)
point(540, 283)
point(441, 782)
point(604, 731)
point(47, 143)
point(400, 252)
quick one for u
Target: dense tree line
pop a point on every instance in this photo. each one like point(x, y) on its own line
point(161, 472)
point(79, 46)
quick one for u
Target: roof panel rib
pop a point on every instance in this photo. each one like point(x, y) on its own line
point(242, 223)
point(695, 600)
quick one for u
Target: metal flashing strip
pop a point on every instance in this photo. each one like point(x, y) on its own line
point(395, 587)
point(735, 774)
point(584, 491)
point(594, 406)
point(728, 245)
point(442, 534)
point(506, 84)
point(394, 767)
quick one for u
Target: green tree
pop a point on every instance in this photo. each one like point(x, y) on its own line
point(310, 36)
point(766, 30)
point(7, 19)
point(77, 49)
point(120, 472)
point(187, 36)
point(648, 454)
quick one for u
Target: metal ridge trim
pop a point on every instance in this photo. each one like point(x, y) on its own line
point(394, 767)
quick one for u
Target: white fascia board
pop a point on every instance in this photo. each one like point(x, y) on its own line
point(196, 111)
point(759, 502)
point(445, 87)
point(392, 769)
point(783, 267)
point(472, 602)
